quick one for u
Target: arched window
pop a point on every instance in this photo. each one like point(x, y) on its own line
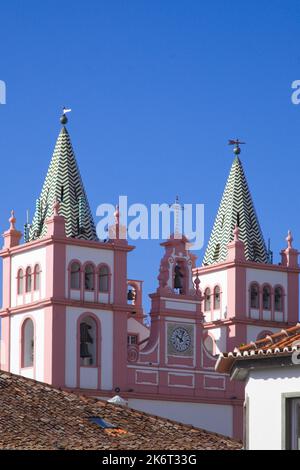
point(254, 296)
point(179, 278)
point(209, 344)
point(103, 278)
point(37, 277)
point(207, 300)
point(266, 298)
point(278, 299)
point(88, 342)
point(20, 282)
point(131, 295)
point(89, 277)
point(217, 298)
point(263, 334)
point(28, 279)
point(75, 275)
point(27, 343)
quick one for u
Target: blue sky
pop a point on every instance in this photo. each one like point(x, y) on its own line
point(156, 88)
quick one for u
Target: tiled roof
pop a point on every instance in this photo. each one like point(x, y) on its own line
point(278, 344)
point(236, 207)
point(63, 183)
point(34, 415)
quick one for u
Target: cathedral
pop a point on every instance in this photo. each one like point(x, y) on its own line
point(72, 318)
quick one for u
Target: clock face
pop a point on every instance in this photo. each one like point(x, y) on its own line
point(180, 339)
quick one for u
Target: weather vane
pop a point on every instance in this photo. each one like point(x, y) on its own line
point(236, 144)
point(63, 118)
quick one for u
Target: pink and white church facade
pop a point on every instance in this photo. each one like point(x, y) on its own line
point(72, 318)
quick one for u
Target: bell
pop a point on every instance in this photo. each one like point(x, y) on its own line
point(178, 278)
point(85, 337)
point(130, 295)
point(84, 351)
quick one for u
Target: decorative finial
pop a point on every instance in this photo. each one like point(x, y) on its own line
point(12, 220)
point(178, 208)
point(290, 239)
point(117, 215)
point(63, 118)
point(236, 143)
point(56, 207)
point(236, 233)
point(197, 283)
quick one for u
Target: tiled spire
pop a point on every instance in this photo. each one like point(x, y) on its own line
point(63, 183)
point(236, 208)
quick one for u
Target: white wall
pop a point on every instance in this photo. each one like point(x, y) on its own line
point(95, 255)
point(254, 331)
point(264, 390)
point(220, 335)
point(216, 418)
point(15, 343)
point(134, 326)
point(28, 258)
point(106, 320)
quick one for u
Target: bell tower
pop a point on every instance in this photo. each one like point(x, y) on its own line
point(64, 290)
point(245, 294)
point(176, 317)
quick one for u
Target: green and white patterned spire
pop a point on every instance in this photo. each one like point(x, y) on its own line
point(63, 183)
point(236, 208)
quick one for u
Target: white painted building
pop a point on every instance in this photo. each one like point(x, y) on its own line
point(270, 369)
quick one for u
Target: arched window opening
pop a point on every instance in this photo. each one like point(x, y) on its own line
point(89, 277)
point(28, 343)
point(266, 298)
point(37, 277)
point(28, 279)
point(178, 279)
point(131, 295)
point(254, 296)
point(278, 298)
point(88, 342)
point(217, 298)
point(103, 279)
point(20, 282)
point(263, 334)
point(209, 345)
point(207, 300)
point(75, 275)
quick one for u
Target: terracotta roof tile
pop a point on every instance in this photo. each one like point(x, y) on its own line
point(284, 342)
point(34, 415)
